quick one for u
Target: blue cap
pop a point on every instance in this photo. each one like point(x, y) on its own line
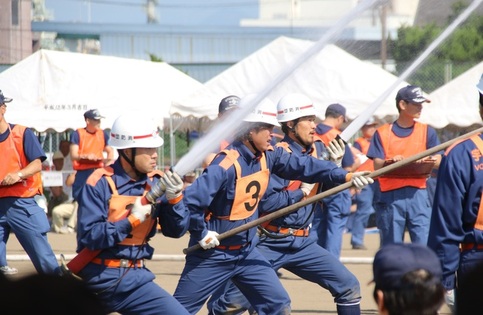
point(93, 114)
point(4, 99)
point(336, 109)
point(393, 261)
point(228, 103)
point(412, 94)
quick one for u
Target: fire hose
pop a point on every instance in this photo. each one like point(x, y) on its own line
point(324, 194)
point(86, 255)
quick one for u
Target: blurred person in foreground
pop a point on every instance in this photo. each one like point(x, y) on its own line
point(456, 231)
point(117, 223)
point(20, 183)
point(407, 279)
point(48, 294)
point(227, 196)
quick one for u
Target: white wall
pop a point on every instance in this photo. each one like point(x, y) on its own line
point(324, 13)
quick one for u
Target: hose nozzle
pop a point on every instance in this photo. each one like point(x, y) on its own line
point(155, 192)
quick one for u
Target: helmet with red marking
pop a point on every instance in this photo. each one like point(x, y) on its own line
point(263, 112)
point(128, 132)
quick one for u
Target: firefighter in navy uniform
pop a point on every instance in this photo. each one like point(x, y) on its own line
point(114, 221)
point(331, 218)
point(403, 202)
point(456, 229)
point(227, 196)
point(285, 241)
point(20, 182)
point(87, 149)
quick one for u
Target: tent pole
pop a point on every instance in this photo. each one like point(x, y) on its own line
point(51, 164)
point(161, 152)
point(171, 142)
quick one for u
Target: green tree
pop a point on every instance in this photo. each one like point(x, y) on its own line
point(461, 51)
point(155, 58)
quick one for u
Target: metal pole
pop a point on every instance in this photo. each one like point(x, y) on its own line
point(384, 35)
point(171, 142)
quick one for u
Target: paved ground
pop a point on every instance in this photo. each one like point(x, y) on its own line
point(307, 298)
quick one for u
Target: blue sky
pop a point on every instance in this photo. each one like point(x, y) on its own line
point(169, 12)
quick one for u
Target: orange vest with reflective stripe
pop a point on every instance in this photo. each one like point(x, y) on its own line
point(368, 165)
point(90, 143)
point(248, 189)
point(328, 136)
point(408, 146)
point(13, 162)
point(295, 184)
point(120, 207)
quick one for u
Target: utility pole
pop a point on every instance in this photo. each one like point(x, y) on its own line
point(384, 35)
point(151, 11)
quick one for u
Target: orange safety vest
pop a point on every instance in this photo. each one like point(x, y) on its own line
point(328, 136)
point(90, 143)
point(120, 207)
point(14, 162)
point(408, 146)
point(295, 184)
point(368, 165)
point(224, 144)
point(248, 189)
point(479, 218)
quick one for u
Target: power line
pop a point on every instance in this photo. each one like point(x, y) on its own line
point(177, 4)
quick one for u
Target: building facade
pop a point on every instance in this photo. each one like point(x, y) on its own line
point(15, 30)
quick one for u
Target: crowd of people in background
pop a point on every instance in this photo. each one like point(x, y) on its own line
point(115, 205)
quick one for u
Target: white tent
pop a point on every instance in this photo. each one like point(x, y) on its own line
point(52, 89)
point(331, 76)
point(456, 102)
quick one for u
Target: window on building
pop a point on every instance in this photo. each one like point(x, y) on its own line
point(15, 10)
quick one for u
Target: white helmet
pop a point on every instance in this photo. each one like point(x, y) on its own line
point(293, 106)
point(264, 112)
point(131, 132)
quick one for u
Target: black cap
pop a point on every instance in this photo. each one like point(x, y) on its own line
point(228, 103)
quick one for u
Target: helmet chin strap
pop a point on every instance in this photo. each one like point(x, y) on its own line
point(257, 152)
point(131, 161)
point(301, 142)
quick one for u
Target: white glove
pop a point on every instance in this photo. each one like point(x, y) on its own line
point(449, 299)
point(173, 185)
point(336, 149)
point(210, 240)
point(141, 212)
point(306, 188)
point(360, 179)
